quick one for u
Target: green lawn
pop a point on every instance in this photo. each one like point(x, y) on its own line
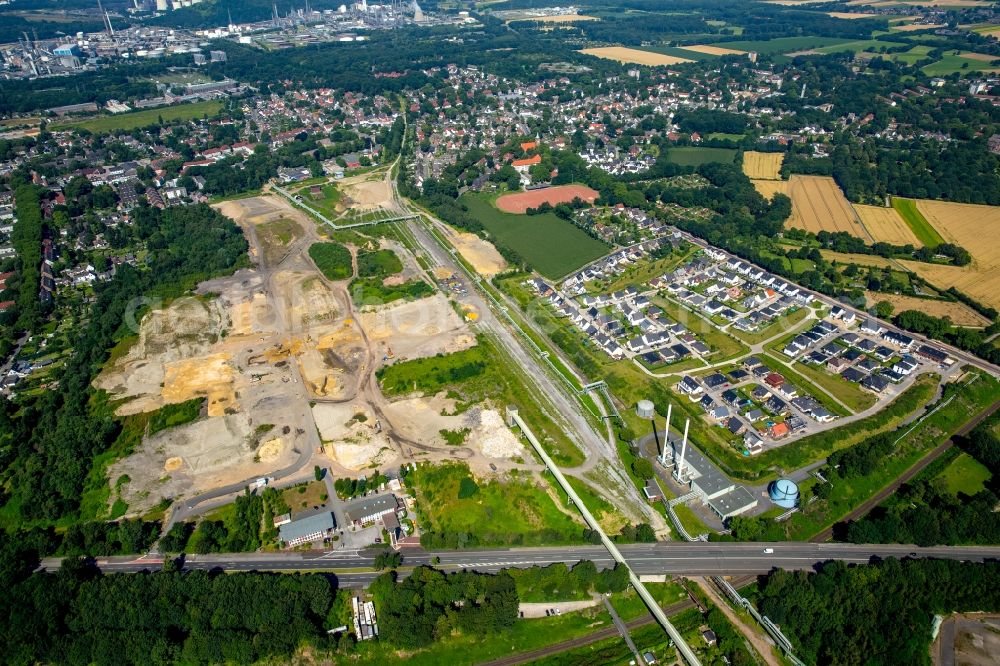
point(697, 155)
point(326, 203)
point(859, 46)
point(922, 229)
point(511, 512)
point(950, 64)
point(786, 323)
point(333, 259)
point(965, 474)
point(127, 121)
point(553, 246)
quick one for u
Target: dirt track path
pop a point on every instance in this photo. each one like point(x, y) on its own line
point(760, 642)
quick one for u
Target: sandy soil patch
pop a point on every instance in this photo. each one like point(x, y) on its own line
point(885, 224)
point(959, 313)
point(271, 450)
point(818, 204)
point(208, 376)
point(417, 329)
point(351, 435)
point(634, 56)
point(480, 253)
point(712, 50)
point(368, 191)
point(520, 202)
point(762, 166)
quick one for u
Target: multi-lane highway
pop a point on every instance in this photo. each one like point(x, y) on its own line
point(662, 558)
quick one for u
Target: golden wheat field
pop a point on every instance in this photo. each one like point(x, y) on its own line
point(977, 229)
point(712, 50)
point(886, 225)
point(769, 188)
point(819, 205)
point(959, 313)
point(762, 166)
point(849, 16)
point(635, 56)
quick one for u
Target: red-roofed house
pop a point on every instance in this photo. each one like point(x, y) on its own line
point(778, 430)
point(523, 165)
point(528, 145)
point(774, 380)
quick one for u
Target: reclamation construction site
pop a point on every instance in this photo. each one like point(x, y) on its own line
point(285, 363)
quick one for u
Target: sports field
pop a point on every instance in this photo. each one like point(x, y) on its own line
point(886, 225)
point(976, 228)
point(696, 155)
point(819, 205)
point(765, 166)
point(712, 50)
point(127, 121)
point(553, 246)
point(519, 202)
point(634, 56)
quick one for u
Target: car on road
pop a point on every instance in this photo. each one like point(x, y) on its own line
point(769, 551)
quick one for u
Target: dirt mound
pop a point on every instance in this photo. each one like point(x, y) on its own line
point(173, 464)
point(271, 450)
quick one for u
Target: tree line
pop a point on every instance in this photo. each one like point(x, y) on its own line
point(878, 613)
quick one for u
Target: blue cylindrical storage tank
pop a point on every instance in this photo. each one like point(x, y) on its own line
point(784, 493)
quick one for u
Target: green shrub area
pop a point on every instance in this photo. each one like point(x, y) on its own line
point(876, 613)
point(378, 263)
point(558, 582)
point(436, 373)
point(429, 605)
point(243, 526)
point(459, 512)
point(171, 416)
point(332, 259)
point(371, 291)
point(952, 503)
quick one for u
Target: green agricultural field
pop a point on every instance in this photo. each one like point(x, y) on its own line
point(922, 229)
point(965, 474)
point(951, 64)
point(697, 155)
point(494, 513)
point(783, 44)
point(372, 291)
point(127, 121)
point(859, 46)
point(333, 259)
point(553, 246)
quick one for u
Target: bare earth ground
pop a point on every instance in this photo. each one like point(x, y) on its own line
point(537, 609)
point(366, 192)
point(287, 364)
point(960, 313)
point(519, 202)
point(481, 254)
point(976, 640)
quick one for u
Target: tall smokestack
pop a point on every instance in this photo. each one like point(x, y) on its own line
point(684, 446)
point(666, 437)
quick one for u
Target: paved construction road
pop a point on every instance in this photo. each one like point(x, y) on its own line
point(669, 558)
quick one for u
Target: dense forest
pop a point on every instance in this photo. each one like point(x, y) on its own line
point(78, 616)
point(874, 614)
point(51, 440)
